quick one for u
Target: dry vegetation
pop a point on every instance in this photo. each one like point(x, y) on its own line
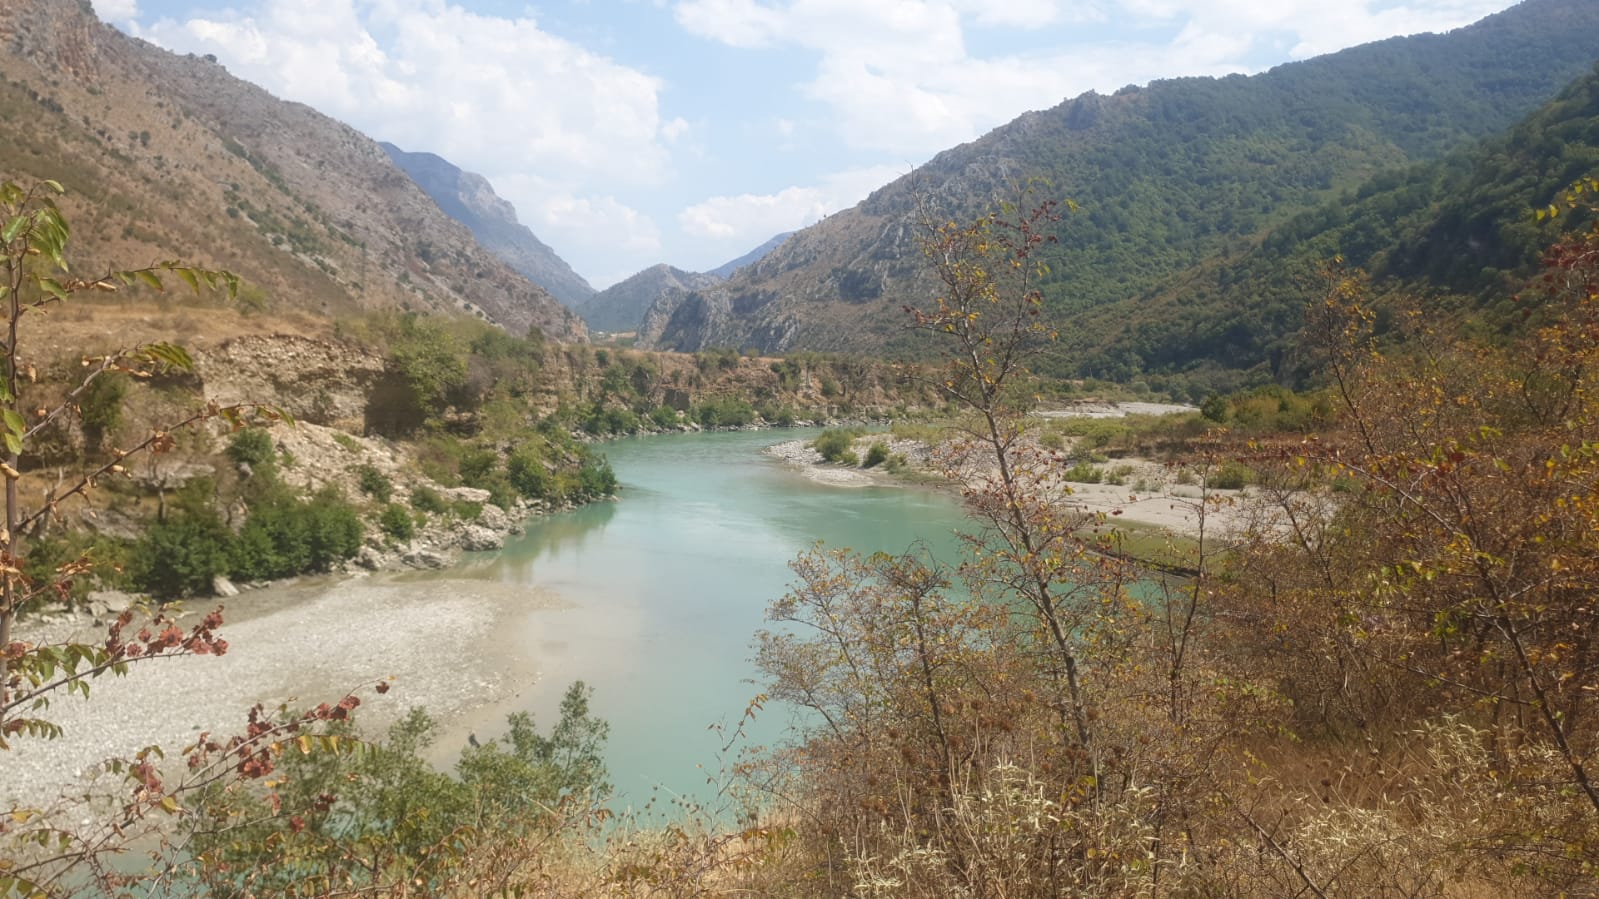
point(1384, 692)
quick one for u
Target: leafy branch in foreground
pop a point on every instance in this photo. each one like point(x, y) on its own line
point(43, 857)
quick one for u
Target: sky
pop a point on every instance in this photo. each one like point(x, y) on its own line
point(633, 132)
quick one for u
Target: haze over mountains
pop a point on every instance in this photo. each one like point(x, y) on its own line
point(469, 199)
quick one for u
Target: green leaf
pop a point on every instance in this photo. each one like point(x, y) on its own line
point(13, 228)
point(171, 354)
point(188, 276)
point(13, 421)
point(13, 444)
point(52, 287)
point(149, 278)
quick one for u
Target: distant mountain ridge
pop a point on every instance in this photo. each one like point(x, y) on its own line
point(1170, 178)
point(620, 306)
point(168, 156)
point(728, 269)
point(470, 199)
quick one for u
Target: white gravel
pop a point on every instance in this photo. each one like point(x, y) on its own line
point(451, 645)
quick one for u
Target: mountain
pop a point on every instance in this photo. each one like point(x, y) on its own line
point(168, 156)
point(1170, 178)
point(620, 306)
point(727, 269)
point(470, 199)
point(1459, 229)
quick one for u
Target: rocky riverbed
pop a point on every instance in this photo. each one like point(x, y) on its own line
point(450, 645)
point(1144, 491)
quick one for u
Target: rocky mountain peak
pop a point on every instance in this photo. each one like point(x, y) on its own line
point(468, 198)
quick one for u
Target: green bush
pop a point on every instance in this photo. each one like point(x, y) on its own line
point(253, 447)
point(596, 478)
point(530, 476)
point(393, 804)
point(1084, 473)
point(665, 417)
point(611, 420)
point(724, 412)
point(876, 454)
point(835, 444)
point(181, 556)
point(286, 536)
point(426, 499)
point(108, 558)
point(100, 408)
point(1230, 476)
point(478, 466)
point(781, 416)
point(396, 522)
point(374, 483)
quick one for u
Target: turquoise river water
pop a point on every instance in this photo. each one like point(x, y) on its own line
point(662, 592)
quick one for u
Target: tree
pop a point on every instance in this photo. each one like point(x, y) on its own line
point(46, 853)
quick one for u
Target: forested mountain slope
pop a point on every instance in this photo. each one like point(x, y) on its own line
point(1169, 177)
point(1461, 226)
point(168, 156)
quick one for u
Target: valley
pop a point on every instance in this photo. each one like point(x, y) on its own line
point(1184, 488)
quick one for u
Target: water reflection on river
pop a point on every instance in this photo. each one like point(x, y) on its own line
point(665, 589)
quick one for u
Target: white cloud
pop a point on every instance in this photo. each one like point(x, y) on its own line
point(897, 75)
point(603, 238)
point(498, 96)
point(752, 218)
point(116, 10)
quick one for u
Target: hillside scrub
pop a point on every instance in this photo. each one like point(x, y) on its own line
point(1381, 688)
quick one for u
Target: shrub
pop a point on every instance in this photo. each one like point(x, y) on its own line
point(108, 558)
point(426, 499)
point(724, 412)
point(596, 478)
point(286, 536)
point(1230, 476)
point(397, 522)
point(182, 555)
point(611, 420)
point(876, 454)
point(478, 467)
point(530, 476)
point(835, 444)
point(374, 483)
point(1084, 473)
point(665, 417)
point(781, 416)
point(100, 407)
point(253, 447)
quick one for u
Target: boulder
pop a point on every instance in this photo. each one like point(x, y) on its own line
point(476, 538)
point(426, 558)
point(465, 494)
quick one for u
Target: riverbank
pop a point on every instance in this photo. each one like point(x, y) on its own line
point(451, 646)
point(1140, 492)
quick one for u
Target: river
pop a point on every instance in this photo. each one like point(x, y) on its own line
point(661, 593)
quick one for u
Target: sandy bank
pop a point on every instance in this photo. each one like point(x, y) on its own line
point(451, 645)
point(1150, 493)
